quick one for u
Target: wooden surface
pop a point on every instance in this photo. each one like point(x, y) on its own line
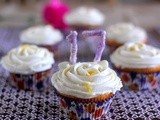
point(145, 14)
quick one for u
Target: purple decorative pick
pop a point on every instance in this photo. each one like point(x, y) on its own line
point(101, 45)
point(72, 38)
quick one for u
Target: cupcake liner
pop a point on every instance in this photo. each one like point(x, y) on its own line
point(36, 82)
point(139, 81)
point(75, 109)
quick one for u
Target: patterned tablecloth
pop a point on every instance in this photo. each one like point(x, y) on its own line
point(19, 104)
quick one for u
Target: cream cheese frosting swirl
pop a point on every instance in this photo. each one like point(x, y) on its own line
point(85, 16)
point(86, 79)
point(41, 35)
point(136, 55)
point(125, 32)
point(27, 59)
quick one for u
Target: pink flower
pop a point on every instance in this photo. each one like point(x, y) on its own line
point(53, 13)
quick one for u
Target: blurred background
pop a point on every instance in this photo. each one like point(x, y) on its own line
point(145, 13)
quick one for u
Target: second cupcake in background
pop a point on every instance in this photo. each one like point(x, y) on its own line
point(84, 18)
point(43, 36)
point(138, 65)
point(120, 33)
point(29, 66)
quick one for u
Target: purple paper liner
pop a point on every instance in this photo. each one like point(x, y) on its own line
point(139, 81)
point(80, 110)
point(36, 82)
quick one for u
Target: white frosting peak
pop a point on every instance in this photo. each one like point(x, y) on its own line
point(85, 16)
point(136, 55)
point(86, 80)
point(41, 35)
point(124, 32)
point(27, 59)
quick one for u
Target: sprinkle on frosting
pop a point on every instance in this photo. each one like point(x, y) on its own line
point(92, 72)
point(141, 45)
point(25, 48)
point(136, 47)
point(102, 36)
point(88, 88)
point(133, 49)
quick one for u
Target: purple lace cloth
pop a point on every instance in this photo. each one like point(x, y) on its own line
point(19, 104)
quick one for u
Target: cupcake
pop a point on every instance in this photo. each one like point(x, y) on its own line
point(83, 18)
point(29, 67)
point(138, 65)
point(43, 36)
point(85, 89)
point(121, 33)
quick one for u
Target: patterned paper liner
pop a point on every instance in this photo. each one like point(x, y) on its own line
point(139, 81)
point(36, 82)
point(75, 109)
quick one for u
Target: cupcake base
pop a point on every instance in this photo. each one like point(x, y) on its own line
point(85, 109)
point(139, 79)
point(36, 82)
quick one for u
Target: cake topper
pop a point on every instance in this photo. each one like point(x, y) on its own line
point(72, 38)
point(102, 36)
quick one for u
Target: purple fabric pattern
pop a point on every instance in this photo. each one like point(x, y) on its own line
point(30, 105)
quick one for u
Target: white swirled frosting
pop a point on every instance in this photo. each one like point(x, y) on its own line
point(86, 79)
point(41, 35)
point(136, 55)
point(27, 59)
point(124, 32)
point(84, 16)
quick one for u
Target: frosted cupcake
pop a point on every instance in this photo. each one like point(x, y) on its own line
point(43, 36)
point(138, 65)
point(84, 18)
point(85, 89)
point(29, 66)
point(121, 33)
